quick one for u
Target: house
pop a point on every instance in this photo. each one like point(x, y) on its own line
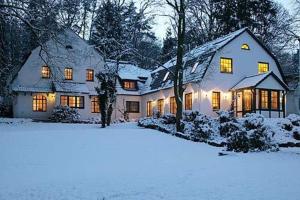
point(235, 72)
point(61, 73)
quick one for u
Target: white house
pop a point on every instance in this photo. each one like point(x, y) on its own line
point(62, 73)
point(235, 71)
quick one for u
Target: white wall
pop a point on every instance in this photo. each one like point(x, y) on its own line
point(120, 107)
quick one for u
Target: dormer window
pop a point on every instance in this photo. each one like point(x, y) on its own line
point(166, 76)
point(69, 47)
point(195, 67)
point(129, 85)
point(68, 73)
point(45, 72)
point(90, 75)
point(245, 47)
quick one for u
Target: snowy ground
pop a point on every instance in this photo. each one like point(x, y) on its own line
point(124, 162)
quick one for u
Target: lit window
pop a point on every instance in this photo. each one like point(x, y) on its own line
point(149, 108)
point(274, 100)
point(248, 100)
point(173, 105)
point(132, 106)
point(226, 65)
point(45, 72)
point(216, 100)
point(263, 67)
point(72, 101)
point(90, 75)
point(160, 106)
point(129, 85)
point(166, 76)
point(195, 67)
point(188, 101)
point(95, 104)
point(245, 47)
point(68, 73)
point(39, 103)
point(264, 102)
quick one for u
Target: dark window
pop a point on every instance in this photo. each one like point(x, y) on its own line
point(95, 104)
point(90, 75)
point(72, 101)
point(173, 105)
point(45, 72)
point(132, 106)
point(188, 101)
point(39, 103)
point(68, 73)
point(216, 100)
point(129, 85)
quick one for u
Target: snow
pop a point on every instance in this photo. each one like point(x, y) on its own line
point(71, 87)
point(19, 88)
point(251, 81)
point(83, 161)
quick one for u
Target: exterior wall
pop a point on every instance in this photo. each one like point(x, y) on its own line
point(120, 107)
point(293, 99)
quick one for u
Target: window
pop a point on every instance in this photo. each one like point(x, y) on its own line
point(188, 101)
point(39, 103)
point(245, 47)
point(149, 108)
point(173, 105)
point(129, 85)
point(133, 106)
point(68, 73)
point(95, 104)
point(264, 99)
point(226, 65)
point(166, 76)
point(90, 75)
point(72, 101)
point(274, 100)
point(160, 106)
point(195, 67)
point(247, 100)
point(45, 72)
point(216, 100)
point(263, 67)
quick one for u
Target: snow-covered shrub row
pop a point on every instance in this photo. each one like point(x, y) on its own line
point(64, 114)
point(295, 119)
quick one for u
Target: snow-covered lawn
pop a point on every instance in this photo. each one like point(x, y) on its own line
point(74, 161)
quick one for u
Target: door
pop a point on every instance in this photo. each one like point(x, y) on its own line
point(239, 104)
point(247, 101)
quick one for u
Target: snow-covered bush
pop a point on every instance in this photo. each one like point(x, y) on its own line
point(228, 123)
point(253, 121)
point(261, 139)
point(296, 133)
point(285, 124)
point(190, 116)
point(64, 114)
point(238, 142)
point(168, 119)
point(202, 127)
point(226, 116)
point(295, 119)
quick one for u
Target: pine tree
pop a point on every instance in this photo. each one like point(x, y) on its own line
point(169, 47)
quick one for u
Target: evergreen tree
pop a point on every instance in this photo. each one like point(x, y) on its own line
point(169, 47)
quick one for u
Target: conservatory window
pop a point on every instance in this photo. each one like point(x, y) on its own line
point(245, 47)
point(45, 72)
point(195, 67)
point(149, 108)
point(160, 106)
point(129, 85)
point(132, 106)
point(68, 73)
point(90, 75)
point(72, 101)
point(188, 101)
point(173, 105)
point(226, 65)
point(264, 99)
point(274, 100)
point(263, 67)
point(39, 103)
point(166, 76)
point(216, 100)
point(95, 104)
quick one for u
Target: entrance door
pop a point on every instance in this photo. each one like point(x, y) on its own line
point(247, 101)
point(239, 104)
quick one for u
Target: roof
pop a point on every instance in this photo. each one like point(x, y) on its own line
point(255, 80)
point(201, 55)
point(18, 88)
point(71, 87)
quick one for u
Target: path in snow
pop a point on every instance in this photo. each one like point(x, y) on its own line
point(124, 162)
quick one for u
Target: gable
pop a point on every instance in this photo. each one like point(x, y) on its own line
point(270, 83)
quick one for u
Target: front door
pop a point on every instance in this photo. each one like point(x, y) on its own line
point(247, 103)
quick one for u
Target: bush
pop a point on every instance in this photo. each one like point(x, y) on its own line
point(238, 142)
point(296, 133)
point(168, 119)
point(253, 121)
point(295, 119)
point(5, 110)
point(190, 116)
point(227, 128)
point(64, 114)
point(286, 124)
point(260, 139)
point(226, 116)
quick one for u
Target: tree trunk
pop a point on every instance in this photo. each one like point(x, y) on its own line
point(109, 114)
point(103, 101)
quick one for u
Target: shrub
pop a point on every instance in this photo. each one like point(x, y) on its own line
point(227, 128)
point(286, 124)
point(226, 116)
point(190, 116)
point(295, 119)
point(253, 121)
point(260, 139)
point(64, 114)
point(296, 133)
point(168, 119)
point(5, 110)
point(238, 142)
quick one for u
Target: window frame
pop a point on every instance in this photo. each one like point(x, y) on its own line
point(90, 77)
point(130, 82)
point(225, 72)
point(277, 99)
point(66, 73)
point(216, 101)
point(160, 105)
point(173, 105)
point(188, 103)
point(68, 101)
point(149, 108)
point(35, 107)
point(129, 108)
point(267, 98)
point(247, 47)
point(258, 68)
point(94, 107)
point(48, 72)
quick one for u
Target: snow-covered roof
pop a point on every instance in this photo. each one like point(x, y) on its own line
point(71, 87)
point(19, 88)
